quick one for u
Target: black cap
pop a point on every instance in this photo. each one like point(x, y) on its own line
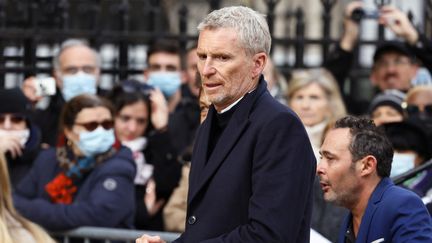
point(13, 101)
point(392, 46)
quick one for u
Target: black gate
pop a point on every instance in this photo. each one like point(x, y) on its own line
point(30, 31)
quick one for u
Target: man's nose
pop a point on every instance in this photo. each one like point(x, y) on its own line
point(208, 68)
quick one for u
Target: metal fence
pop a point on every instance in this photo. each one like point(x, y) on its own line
point(108, 235)
point(30, 33)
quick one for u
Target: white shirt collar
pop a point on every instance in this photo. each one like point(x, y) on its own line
point(233, 104)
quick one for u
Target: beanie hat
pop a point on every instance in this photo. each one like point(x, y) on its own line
point(391, 97)
point(408, 135)
point(13, 101)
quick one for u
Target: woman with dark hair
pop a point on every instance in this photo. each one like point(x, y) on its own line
point(87, 180)
point(20, 138)
point(141, 122)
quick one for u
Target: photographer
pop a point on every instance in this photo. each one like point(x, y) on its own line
point(395, 63)
point(76, 71)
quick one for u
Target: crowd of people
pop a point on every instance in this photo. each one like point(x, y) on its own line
point(216, 143)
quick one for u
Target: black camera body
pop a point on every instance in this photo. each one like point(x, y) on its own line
point(360, 13)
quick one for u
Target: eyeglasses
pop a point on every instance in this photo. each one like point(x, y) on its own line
point(14, 118)
point(91, 126)
point(74, 69)
point(415, 110)
point(398, 62)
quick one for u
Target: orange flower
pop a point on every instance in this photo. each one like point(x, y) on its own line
point(61, 189)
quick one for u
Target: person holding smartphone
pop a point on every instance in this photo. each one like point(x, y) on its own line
point(76, 71)
point(19, 137)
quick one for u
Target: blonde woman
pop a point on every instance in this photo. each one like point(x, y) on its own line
point(13, 227)
point(314, 95)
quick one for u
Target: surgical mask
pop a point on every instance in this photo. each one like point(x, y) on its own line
point(95, 142)
point(402, 163)
point(167, 82)
point(21, 135)
point(137, 144)
point(76, 84)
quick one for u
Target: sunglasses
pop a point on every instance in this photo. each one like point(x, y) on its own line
point(14, 118)
point(91, 126)
point(415, 110)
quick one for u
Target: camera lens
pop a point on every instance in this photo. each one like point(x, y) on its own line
point(357, 14)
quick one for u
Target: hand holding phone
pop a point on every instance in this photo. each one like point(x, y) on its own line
point(45, 86)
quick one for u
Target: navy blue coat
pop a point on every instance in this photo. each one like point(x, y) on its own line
point(257, 184)
point(393, 214)
point(105, 198)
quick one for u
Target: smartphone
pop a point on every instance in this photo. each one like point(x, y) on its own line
point(45, 86)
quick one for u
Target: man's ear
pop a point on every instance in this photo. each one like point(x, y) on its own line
point(58, 80)
point(368, 165)
point(183, 77)
point(259, 62)
point(146, 74)
point(372, 78)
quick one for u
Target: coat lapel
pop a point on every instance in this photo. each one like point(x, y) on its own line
point(373, 204)
point(235, 128)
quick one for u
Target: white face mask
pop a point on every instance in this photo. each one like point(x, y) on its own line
point(402, 162)
point(21, 135)
point(137, 144)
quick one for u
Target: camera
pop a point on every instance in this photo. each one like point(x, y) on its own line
point(45, 86)
point(360, 13)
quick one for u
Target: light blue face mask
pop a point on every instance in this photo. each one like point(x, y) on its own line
point(167, 82)
point(402, 163)
point(96, 142)
point(77, 84)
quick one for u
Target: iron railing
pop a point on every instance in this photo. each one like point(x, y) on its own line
point(107, 235)
point(30, 33)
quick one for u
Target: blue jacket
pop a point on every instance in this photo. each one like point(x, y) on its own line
point(393, 214)
point(105, 197)
point(256, 185)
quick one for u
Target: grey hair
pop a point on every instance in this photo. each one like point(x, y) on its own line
point(70, 43)
point(251, 26)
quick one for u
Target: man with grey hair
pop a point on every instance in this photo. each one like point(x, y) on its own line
point(252, 166)
point(76, 71)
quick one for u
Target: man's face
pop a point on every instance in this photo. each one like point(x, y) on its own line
point(338, 174)
point(393, 71)
point(191, 71)
point(163, 62)
point(227, 72)
point(76, 59)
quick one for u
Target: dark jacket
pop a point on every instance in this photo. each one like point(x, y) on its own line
point(104, 197)
point(161, 154)
point(184, 121)
point(19, 166)
point(256, 185)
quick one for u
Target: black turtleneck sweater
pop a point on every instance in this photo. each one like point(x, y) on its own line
point(219, 123)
